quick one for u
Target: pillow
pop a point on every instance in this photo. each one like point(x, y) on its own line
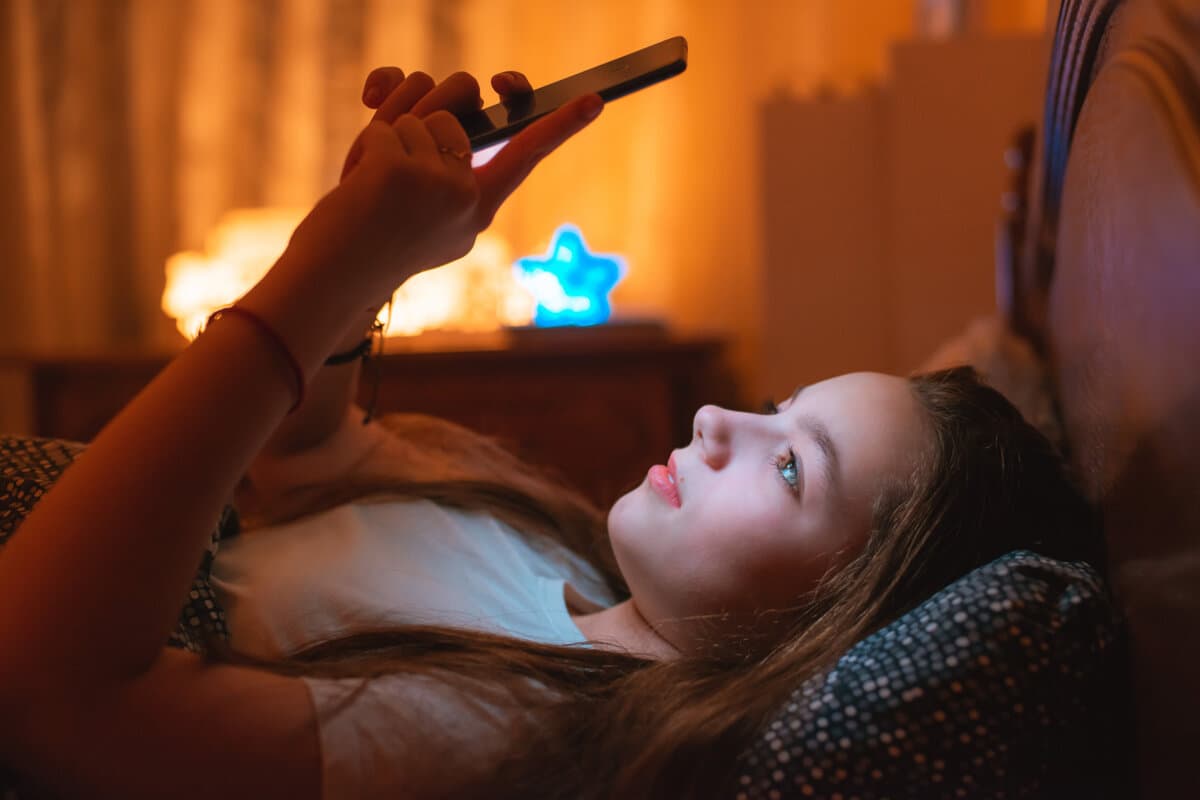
point(1010, 682)
point(30, 466)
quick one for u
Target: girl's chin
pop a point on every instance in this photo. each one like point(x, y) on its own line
point(616, 509)
point(628, 508)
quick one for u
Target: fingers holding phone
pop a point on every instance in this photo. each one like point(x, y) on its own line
point(391, 93)
point(521, 105)
point(613, 79)
point(379, 84)
point(408, 98)
point(451, 138)
point(416, 94)
point(507, 170)
point(458, 94)
point(511, 83)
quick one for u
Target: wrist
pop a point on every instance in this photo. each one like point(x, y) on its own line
point(313, 317)
point(360, 330)
point(266, 331)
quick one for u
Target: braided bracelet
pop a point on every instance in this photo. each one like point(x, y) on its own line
point(361, 350)
point(271, 334)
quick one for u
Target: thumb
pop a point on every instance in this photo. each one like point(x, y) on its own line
point(504, 173)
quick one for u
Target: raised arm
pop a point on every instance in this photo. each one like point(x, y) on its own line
point(118, 537)
point(324, 438)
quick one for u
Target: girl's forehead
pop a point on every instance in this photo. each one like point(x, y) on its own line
point(873, 422)
point(856, 393)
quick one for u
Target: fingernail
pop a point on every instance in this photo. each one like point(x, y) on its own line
point(591, 106)
point(372, 96)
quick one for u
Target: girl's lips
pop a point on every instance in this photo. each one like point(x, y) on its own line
point(662, 481)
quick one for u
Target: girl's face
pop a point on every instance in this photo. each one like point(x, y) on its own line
point(758, 507)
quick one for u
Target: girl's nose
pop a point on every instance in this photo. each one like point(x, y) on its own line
point(710, 429)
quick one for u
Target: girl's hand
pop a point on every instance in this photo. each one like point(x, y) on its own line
point(409, 199)
point(458, 94)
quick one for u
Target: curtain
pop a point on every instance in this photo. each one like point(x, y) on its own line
point(135, 124)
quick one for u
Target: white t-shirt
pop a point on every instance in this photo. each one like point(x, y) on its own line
point(370, 565)
point(399, 736)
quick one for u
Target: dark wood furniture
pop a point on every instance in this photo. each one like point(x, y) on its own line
point(1107, 286)
point(598, 406)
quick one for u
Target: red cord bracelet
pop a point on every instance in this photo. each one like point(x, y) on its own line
point(263, 326)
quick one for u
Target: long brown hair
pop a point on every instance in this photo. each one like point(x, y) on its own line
point(607, 724)
point(455, 466)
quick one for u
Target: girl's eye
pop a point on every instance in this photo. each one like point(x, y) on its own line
point(786, 464)
point(769, 407)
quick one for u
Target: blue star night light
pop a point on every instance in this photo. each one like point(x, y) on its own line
point(570, 284)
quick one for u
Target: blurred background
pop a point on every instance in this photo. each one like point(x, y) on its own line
point(817, 193)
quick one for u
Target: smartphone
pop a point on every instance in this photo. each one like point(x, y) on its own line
point(612, 80)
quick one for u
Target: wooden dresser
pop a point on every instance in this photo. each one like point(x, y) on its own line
point(597, 405)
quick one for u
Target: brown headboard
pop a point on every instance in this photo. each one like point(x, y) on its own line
point(1108, 288)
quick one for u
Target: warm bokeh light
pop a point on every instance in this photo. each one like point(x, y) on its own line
point(475, 293)
point(238, 252)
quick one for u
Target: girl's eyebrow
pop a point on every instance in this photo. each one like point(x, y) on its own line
point(820, 434)
point(829, 453)
point(795, 393)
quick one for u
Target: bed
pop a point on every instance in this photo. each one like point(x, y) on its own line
point(1012, 681)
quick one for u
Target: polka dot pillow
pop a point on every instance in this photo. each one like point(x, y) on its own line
point(1010, 682)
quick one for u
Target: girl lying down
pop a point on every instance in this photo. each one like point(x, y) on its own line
point(415, 613)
